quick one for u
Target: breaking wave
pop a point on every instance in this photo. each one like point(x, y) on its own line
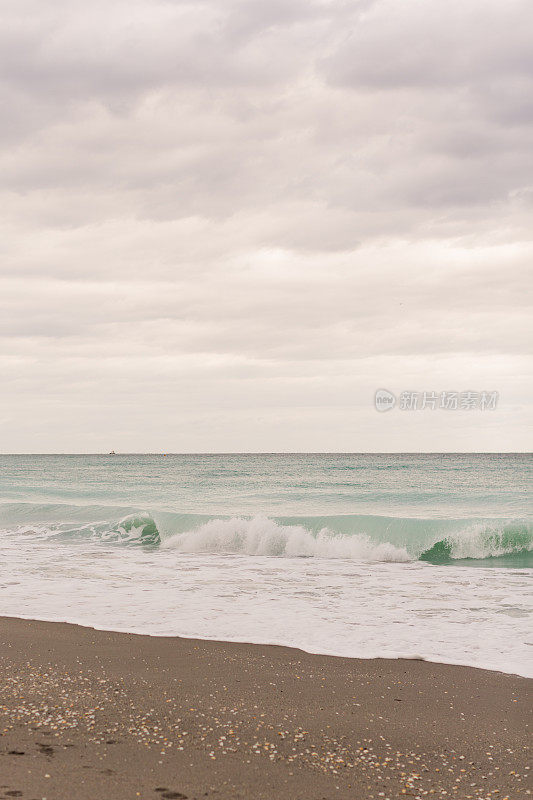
point(357, 537)
point(512, 543)
point(133, 529)
point(261, 536)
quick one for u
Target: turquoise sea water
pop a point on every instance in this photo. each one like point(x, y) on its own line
point(438, 507)
point(426, 555)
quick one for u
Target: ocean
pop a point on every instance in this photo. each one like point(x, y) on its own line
point(413, 556)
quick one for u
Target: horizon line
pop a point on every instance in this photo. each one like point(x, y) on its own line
point(278, 453)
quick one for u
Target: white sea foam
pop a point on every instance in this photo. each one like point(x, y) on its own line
point(481, 540)
point(261, 536)
point(170, 546)
point(350, 607)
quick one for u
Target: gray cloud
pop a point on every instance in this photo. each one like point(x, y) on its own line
point(422, 45)
point(247, 214)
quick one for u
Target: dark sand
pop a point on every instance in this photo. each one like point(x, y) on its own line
point(86, 715)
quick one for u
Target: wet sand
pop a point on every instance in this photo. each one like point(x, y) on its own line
point(90, 715)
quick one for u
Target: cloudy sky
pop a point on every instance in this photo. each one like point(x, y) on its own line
point(226, 223)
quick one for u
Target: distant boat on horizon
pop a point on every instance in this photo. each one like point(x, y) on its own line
point(112, 453)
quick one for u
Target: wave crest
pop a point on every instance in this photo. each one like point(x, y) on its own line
point(265, 537)
point(481, 541)
point(137, 529)
point(133, 529)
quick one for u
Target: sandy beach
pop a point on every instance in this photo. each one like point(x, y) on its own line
point(91, 714)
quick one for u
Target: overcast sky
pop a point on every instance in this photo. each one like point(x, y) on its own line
point(225, 224)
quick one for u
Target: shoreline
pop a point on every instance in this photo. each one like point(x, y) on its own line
point(101, 714)
point(289, 647)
